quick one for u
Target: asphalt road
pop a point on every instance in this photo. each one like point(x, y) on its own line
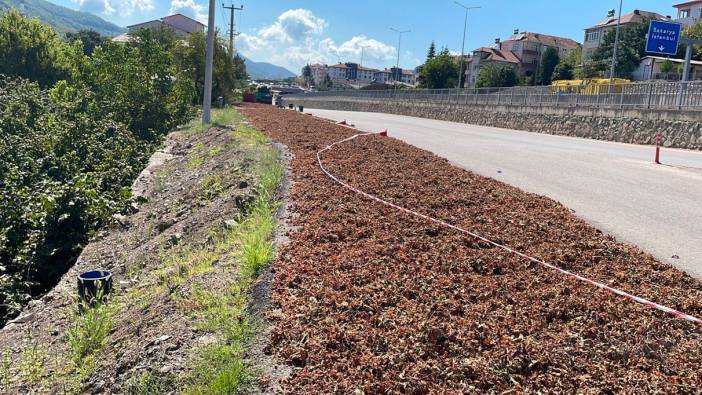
point(614, 186)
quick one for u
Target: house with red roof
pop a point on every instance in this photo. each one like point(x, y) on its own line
point(180, 24)
point(522, 51)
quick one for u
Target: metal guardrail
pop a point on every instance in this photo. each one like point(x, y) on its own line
point(656, 95)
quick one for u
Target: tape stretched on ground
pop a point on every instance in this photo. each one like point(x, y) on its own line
point(638, 299)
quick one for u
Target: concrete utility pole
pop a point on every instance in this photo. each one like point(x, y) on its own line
point(616, 40)
point(232, 30)
point(399, 44)
point(463, 45)
point(207, 101)
point(363, 49)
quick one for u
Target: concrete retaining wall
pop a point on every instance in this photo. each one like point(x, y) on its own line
point(681, 129)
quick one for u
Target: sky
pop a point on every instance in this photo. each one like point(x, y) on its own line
point(292, 33)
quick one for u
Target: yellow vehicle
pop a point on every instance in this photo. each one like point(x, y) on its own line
point(590, 86)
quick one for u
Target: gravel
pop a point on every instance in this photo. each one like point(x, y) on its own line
point(370, 300)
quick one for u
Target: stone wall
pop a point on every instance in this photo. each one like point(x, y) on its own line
point(680, 129)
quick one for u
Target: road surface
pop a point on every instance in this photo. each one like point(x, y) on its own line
point(615, 187)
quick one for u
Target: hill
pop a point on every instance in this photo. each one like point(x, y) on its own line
point(267, 71)
point(61, 18)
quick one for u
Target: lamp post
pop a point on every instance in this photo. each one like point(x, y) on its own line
point(363, 49)
point(616, 40)
point(463, 45)
point(399, 44)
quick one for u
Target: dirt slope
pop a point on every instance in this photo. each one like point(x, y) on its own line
point(375, 301)
point(201, 182)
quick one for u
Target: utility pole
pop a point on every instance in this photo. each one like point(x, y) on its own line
point(363, 49)
point(463, 45)
point(616, 41)
point(232, 30)
point(399, 44)
point(207, 96)
point(686, 69)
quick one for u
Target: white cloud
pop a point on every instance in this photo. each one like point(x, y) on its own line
point(109, 7)
point(189, 8)
point(297, 37)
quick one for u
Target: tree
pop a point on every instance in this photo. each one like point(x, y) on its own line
point(563, 71)
point(326, 84)
point(549, 61)
point(89, 39)
point(493, 75)
point(631, 48)
point(667, 66)
point(569, 67)
point(228, 73)
point(307, 75)
point(694, 32)
point(440, 72)
point(32, 50)
point(431, 53)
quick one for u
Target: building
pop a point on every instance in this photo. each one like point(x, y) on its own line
point(485, 55)
point(528, 47)
point(338, 73)
point(650, 69)
point(180, 24)
point(382, 76)
point(595, 34)
point(522, 51)
point(689, 13)
point(319, 73)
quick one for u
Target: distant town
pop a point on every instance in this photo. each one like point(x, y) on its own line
point(523, 52)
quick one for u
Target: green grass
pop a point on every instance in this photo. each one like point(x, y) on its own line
point(87, 336)
point(227, 116)
point(220, 368)
point(210, 188)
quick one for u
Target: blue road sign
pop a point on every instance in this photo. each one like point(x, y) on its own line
point(663, 38)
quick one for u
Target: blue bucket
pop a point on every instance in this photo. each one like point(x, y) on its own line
point(94, 286)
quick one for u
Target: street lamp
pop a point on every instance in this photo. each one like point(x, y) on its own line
point(463, 45)
point(399, 44)
point(363, 48)
point(616, 39)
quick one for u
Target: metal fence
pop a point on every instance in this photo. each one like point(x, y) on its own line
point(655, 95)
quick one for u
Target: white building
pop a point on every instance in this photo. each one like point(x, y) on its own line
point(382, 76)
point(337, 72)
point(319, 73)
point(689, 12)
point(650, 69)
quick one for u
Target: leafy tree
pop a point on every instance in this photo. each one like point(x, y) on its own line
point(307, 75)
point(549, 61)
point(88, 38)
point(569, 67)
point(667, 66)
point(631, 48)
point(32, 50)
point(493, 75)
point(228, 73)
point(431, 53)
point(326, 84)
point(440, 72)
point(563, 71)
point(694, 32)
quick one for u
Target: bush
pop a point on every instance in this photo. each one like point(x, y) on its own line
point(493, 75)
point(75, 131)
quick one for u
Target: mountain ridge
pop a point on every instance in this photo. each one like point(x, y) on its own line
point(266, 71)
point(62, 19)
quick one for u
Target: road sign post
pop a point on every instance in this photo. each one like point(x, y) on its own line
point(663, 38)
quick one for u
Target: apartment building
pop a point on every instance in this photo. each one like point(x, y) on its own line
point(689, 12)
point(180, 24)
point(319, 73)
point(485, 55)
point(522, 51)
point(595, 34)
